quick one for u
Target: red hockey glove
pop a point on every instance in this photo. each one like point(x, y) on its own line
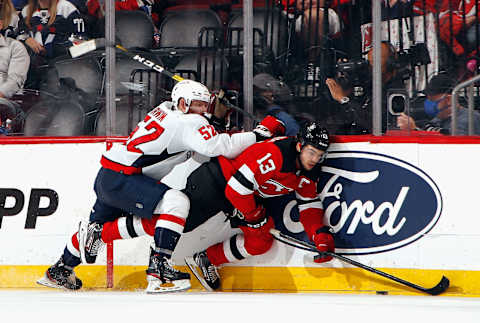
point(268, 128)
point(253, 219)
point(261, 233)
point(323, 239)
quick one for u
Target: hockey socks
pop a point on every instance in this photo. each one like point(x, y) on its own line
point(71, 253)
point(165, 241)
point(128, 227)
point(239, 247)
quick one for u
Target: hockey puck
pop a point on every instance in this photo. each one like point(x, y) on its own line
point(381, 292)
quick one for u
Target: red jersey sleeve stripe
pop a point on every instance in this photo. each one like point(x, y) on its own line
point(304, 198)
point(239, 187)
point(311, 205)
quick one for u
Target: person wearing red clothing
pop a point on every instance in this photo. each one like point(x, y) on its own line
point(420, 7)
point(265, 170)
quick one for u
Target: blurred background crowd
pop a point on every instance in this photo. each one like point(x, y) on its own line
point(312, 60)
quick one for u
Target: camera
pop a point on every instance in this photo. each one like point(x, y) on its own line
point(353, 67)
point(353, 74)
point(416, 55)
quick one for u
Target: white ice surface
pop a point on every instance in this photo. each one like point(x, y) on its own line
point(197, 307)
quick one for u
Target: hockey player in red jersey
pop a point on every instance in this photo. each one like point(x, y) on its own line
point(166, 137)
point(276, 167)
point(239, 188)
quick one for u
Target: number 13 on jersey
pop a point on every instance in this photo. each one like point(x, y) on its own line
point(265, 164)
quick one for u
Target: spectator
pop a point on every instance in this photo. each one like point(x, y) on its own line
point(46, 26)
point(271, 96)
point(14, 62)
point(19, 4)
point(438, 107)
point(351, 91)
point(10, 18)
point(451, 24)
point(422, 7)
point(152, 8)
point(97, 7)
point(310, 25)
point(472, 26)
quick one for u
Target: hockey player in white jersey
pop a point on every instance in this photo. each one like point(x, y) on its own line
point(166, 137)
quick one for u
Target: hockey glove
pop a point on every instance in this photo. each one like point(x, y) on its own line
point(261, 233)
point(268, 128)
point(323, 240)
point(254, 219)
point(216, 107)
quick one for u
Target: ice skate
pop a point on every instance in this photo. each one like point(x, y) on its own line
point(60, 276)
point(90, 241)
point(162, 277)
point(208, 277)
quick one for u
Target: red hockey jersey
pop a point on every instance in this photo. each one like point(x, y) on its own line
point(269, 169)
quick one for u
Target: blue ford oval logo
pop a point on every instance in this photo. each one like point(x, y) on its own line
point(374, 202)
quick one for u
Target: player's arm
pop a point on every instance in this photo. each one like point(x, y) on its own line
point(204, 139)
point(311, 216)
point(257, 164)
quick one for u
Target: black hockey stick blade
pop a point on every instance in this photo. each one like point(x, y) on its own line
point(440, 287)
point(436, 290)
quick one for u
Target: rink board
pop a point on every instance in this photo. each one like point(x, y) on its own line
point(406, 205)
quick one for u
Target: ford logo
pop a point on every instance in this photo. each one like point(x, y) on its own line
point(373, 202)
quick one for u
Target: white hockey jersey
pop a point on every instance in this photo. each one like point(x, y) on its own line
point(167, 137)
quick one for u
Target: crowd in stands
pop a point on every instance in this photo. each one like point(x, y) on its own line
point(318, 49)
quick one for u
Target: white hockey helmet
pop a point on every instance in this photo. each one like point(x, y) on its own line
point(189, 90)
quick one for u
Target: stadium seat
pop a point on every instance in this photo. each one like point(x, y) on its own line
point(181, 27)
point(52, 117)
point(130, 71)
point(86, 71)
point(272, 24)
point(211, 68)
point(134, 29)
point(68, 98)
point(126, 118)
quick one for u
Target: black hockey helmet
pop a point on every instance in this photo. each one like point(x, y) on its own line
point(312, 133)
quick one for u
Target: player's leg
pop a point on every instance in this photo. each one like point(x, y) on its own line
point(204, 189)
point(152, 208)
point(169, 221)
point(251, 243)
point(61, 274)
point(136, 197)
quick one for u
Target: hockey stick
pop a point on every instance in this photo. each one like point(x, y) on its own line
point(436, 290)
point(160, 69)
point(91, 45)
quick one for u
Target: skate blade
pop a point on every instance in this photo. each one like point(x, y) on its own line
point(194, 269)
point(82, 236)
point(156, 286)
point(44, 281)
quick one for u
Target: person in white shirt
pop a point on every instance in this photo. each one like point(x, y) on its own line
point(14, 63)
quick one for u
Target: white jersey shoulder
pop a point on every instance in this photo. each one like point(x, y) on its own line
point(167, 137)
point(153, 136)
